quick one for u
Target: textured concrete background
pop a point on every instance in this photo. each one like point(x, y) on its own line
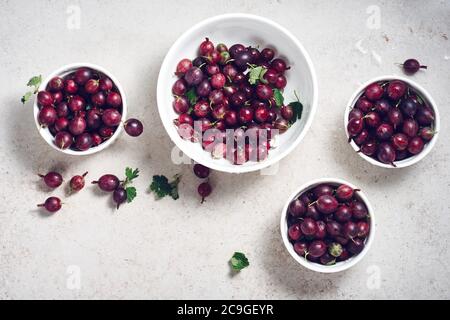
point(180, 249)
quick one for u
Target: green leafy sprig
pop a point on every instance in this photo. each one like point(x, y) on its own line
point(161, 186)
point(34, 82)
point(130, 175)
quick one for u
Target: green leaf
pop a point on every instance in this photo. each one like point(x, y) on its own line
point(239, 261)
point(278, 96)
point(131, 174)
point(257, 74)
point(26, 97)
point(298, 110)
point(162, 187)
point(191, 95)
point(297, 107)
point(261, 76)
point(131, 193)
point(35, 82)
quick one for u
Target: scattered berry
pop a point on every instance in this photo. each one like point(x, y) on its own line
point(204, 190)
point(52, 179)
point(77, 182)
point(411, 66)
point(52, 204)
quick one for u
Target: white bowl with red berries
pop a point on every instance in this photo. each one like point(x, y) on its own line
point(237, 93)
point(392, 122)
point(328, 225)
point(80, 109)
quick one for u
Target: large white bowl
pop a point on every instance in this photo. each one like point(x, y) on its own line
point(61, 72)
point(248, 30)
point(424, 94)
point(339, 266)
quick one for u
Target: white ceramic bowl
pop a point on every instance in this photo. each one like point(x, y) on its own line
point(411, 160)
point(339, 266)
point(61, 72)
point(248, 30)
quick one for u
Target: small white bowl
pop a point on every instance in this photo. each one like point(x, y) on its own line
point(61, 72)
point(424, 94)
point(339, 266)
point(248, 30)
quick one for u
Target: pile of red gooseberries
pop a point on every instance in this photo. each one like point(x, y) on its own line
point(391, 122)
point(328, 223)
point(83, 109)
point(231, 88)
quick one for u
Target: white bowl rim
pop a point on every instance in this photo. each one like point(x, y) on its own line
point(161, 92)
point(340, 266)
point(62, 70)
point(411, 160)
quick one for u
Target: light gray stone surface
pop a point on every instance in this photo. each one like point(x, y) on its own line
point(179, 249)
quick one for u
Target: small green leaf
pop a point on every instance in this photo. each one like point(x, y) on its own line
point(261, 76)
point(131, 193)
point(239, 261)
point(131, 174)
point(278, 96)
point(191, 95)
point(162, 187)
point(256, 74)
point(35, 82)
point(297, 107)
point(298, 110)
point(26, 97)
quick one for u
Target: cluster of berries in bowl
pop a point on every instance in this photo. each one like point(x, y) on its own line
point(327, 225)
point(392, 122)
point(80, 109)
point(226, 94)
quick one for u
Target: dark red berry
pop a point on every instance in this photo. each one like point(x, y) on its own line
point(133, 127)
point(411, 66)
point(77, 182)
point(107, 182)
point(82, 75)
point(201, 171)
point(374, 92)
point(63, 140)
point(114, 99)
point(52, 204)
point(52, 179)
